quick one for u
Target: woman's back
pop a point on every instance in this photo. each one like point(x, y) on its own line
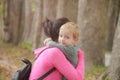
point(53, 57)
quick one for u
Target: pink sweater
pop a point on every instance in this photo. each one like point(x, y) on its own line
point(53, 57)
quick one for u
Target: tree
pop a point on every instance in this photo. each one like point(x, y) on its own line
point(49, 9)
point(28, 18)
point(113, 11)
point(68, 8)
point(1, 19)
point(6, 17)
point(36, 25)
point(12, 20)
point(113, 45)
point(115, 61)
point(92, 21)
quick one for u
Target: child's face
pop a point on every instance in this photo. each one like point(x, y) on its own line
point(66, 38)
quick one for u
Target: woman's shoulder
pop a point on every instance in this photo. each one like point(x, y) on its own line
point(81, 52)
point(52, 53)
point(39, 50)
point(47, 49)
point(54, 50)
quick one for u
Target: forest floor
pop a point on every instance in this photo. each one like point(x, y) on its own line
point(10, 61)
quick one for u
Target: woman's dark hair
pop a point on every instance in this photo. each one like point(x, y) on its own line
point(51, 28)
point(47, 25)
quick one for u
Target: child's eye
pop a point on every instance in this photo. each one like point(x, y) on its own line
point(67, 37)
point(60, 35)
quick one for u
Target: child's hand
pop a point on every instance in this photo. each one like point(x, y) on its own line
point(47, 40)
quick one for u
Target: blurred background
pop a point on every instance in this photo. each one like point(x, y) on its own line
point(99, 22)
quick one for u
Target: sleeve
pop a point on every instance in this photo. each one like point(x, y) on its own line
point(66, 69)
point(81, 66)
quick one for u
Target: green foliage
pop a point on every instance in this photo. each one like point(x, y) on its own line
point(26, 45)
point(94, 72)
point(1, 7)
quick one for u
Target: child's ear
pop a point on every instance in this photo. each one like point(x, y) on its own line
point(76, 40)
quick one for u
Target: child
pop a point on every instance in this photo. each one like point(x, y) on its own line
point(51, 28)
point(67, 40)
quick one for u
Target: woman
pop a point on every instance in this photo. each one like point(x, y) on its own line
point(53, 57)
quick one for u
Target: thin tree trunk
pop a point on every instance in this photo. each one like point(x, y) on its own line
point(115, 61)
point(6, 17)
point(49, 9)
point(36, 25)
point(1, 20)
point(68, 8)
point(12, 19)
point(113, 12)
point(27, 20)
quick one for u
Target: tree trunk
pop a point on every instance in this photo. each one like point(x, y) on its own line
point(68, 8)
point(6, 17)
point(36, 25)
point(92, 21)
point(12, 18)
point(113, 12)
point(49, 9)
point(115, 61)
point(28, 15)
point(1, 19)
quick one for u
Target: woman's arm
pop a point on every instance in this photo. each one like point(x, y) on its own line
point(66, 69)
point(55, 58)
point(81, 66)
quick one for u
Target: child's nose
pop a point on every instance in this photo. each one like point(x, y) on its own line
point(62, 39)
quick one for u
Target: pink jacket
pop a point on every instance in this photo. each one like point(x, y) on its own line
point(53, 57)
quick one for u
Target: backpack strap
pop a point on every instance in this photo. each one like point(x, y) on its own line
point(42, 51)
point(50, 71)
point(47, 73)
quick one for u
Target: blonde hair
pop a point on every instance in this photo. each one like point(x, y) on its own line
point(73, 28)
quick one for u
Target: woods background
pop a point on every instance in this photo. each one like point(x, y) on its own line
point(99, 21)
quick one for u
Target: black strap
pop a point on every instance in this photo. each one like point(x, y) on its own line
point(42, 51)
point(46, 74)
point(50, 71)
